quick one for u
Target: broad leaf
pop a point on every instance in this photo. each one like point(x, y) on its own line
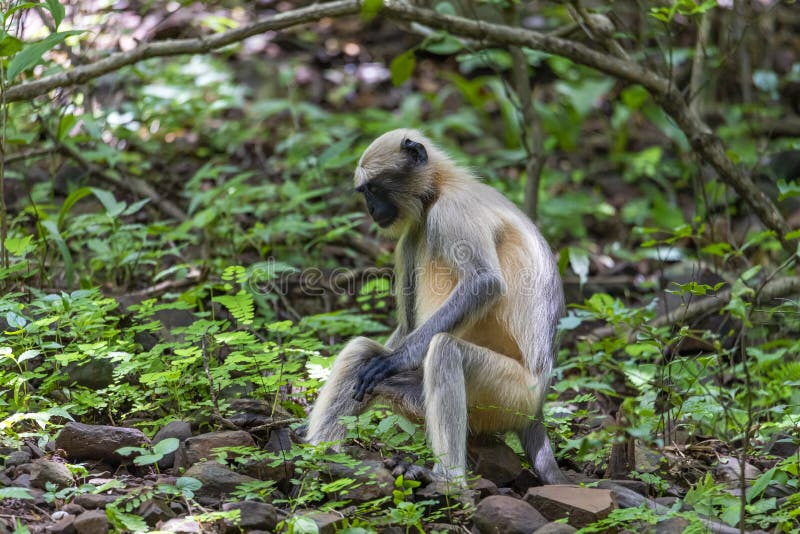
point(32, 52)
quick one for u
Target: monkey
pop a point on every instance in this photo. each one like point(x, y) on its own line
point(478, 298)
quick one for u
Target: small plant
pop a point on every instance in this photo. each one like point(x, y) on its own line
point(151, 455)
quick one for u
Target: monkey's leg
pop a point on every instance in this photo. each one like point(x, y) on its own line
point(537, 446)
point(336, 397)
point(468, 387)
point(402, 391)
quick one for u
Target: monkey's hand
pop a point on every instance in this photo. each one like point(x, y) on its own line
point(375, 371)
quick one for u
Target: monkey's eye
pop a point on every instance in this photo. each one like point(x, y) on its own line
point(361, 188)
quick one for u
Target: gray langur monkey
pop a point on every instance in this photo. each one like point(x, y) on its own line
point(478, 296)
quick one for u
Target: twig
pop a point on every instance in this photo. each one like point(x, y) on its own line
point(30, 154)
point(116, 61)
point(772, 289)
point(216, 414)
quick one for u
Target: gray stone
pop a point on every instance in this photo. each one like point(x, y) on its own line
point(218, 481)
point(98, 442)
point(92, 522)
point(63, 525)
point(728, 471)
point(372, 480)
point(505, 515)
point(484, 487)
point(154, 510)
point(197, 448)
point(181, 525)
point(92, 501)
point(672, 525)
point(581, 506)
point(17, 458)
point(496, 461)
point(44, 471)
point(556, 528)
point(180, 430)
point(255, 515)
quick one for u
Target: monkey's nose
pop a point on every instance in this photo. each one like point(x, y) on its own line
point(371, 210)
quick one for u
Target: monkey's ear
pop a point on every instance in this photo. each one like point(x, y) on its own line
point(415, 151)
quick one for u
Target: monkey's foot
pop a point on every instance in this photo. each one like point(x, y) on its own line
point(405, 466)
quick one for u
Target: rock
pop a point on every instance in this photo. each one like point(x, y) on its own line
point(582, 506)
point(17, 458)
point(197, 448)
point(92, 522)
point(526, 479)
point(781, 444)
point(327, 522)
point(647, 460)
point(444, 527)
point(74, 509)
point(669, 502)
point(264, 470)
point(556, 528)
point(44, 471)
point(154, 510)
point(280, 440)
point(255, 515)
point(181, 525)
point(505, 515)
point(64, 525)
point(484, 487)
point(92, 501)
point(96, 373)
point(672, 525)
point(180, 430)
point(98, 442)
point(496, 461)
point(372, 480)
point(728, 471)
point(218, 481)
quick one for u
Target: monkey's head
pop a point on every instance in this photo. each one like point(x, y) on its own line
point(396, 174)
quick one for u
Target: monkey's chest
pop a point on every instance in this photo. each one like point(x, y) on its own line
point(434, 282)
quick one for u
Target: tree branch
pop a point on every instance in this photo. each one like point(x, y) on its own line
point(705, 143)
point(116, 61)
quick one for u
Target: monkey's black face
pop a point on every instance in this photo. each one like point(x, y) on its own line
point(379, 205)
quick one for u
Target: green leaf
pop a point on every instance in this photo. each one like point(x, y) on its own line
point(303, 525)
point(127, 451)
point(61, 245)
point(33, 52)
point(402, 67)
point(57, 10)
point(370, 8)
point(579, 262)
point(113, 208)
point(10, 45)
point(166, 446)
point(14, 493)
point(19, 246)
point(760, 484)
point(70, 201)
point(147, 459)
point(65, 125)
point(20, 7)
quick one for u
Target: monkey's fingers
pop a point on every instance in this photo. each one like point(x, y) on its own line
point(373, 374)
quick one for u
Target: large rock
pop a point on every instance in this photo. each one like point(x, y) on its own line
point(98, 442)
point(92, 522)
point(218, 481)
point(505, 515)
point(201, 447)
point(495, 461)
point(372, 480)
point(180, 430)
point(581, 506)
point(92, 501)
point(44, 471)
point(729, 469)
point(255, 515)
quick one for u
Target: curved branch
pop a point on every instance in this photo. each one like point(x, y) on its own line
point(176, 47)
point(705, 143)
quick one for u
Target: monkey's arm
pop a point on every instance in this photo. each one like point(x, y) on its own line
point(473, 256)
